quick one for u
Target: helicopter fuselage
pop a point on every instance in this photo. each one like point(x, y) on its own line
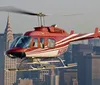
point(45, 42)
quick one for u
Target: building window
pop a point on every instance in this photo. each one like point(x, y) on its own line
point(42, 42)
point(51, 43)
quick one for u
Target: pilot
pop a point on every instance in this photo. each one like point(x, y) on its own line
point(35, 44)
point(42, 45)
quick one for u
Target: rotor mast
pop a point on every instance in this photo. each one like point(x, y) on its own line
point(41, 20)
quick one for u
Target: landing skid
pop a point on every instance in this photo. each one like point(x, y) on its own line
point(38, 64)
point(43, 68)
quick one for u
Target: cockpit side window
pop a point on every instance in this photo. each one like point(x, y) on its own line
point(14, 42)
point(22, 42)
point(35, 44)
point(42, 42)
point(51, 43)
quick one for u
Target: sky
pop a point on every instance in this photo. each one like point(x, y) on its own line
point(90, 18)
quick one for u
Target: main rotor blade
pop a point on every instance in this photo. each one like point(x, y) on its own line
point(73, 14)
point(20, 11)
point(64, 14)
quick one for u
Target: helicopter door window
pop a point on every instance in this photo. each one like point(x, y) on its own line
point(42, 42)
point(51, 43)
point(35, 44)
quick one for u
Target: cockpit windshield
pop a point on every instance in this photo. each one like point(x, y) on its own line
point(21, 41)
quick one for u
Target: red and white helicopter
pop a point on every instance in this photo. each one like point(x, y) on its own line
point(44, 42)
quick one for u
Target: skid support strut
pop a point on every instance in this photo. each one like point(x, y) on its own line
point(61, 61)
point(36, 60)
point(22, 62)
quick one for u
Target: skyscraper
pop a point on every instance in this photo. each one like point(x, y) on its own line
point(52, 79)
point(67, 76)
point(84, 70)
point(95, 69)
point(43, 73)
point(1, 58)
point(89, 69)
point(94, 42)
point(82, 49)
point(9, 77)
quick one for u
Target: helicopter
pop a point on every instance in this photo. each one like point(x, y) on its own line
point(44, 42)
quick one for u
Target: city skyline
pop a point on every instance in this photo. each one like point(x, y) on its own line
point(80, 23)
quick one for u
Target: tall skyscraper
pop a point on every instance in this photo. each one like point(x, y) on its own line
point(84, 70)
point(2, 59)
point(94, 42)
point(43, 73)
point(9, 77)
point(95, 69)
point(89, 68)
point(52, 78)
point(82, 49)
point(67, 76)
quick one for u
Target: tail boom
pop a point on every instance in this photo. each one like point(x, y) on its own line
point(85, 36)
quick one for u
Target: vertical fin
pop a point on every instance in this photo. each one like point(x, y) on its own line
point(96, 32)
point(71, 32)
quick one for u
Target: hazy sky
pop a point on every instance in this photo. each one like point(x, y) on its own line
point(80, 23)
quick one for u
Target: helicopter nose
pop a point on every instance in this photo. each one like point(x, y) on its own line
point(16, 54)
